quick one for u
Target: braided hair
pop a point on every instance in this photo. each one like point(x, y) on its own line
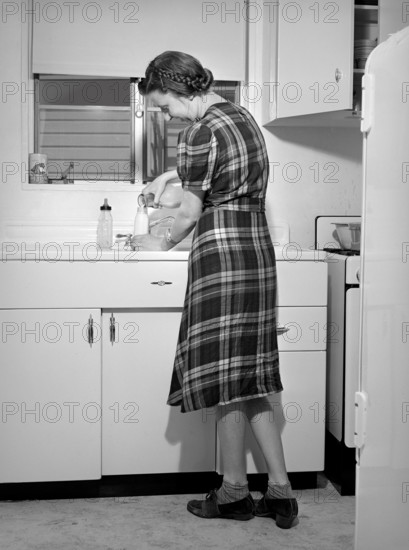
point(176, 72)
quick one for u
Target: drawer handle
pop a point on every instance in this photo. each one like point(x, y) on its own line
point(338, 75)
point(161, 283)
point(112, 329)
point(90, 330)
point(282, 330)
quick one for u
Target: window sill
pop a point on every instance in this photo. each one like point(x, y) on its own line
point(99, 186)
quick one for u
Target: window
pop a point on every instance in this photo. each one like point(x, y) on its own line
point(86, 127)
point(161, 136)
point(94, 130)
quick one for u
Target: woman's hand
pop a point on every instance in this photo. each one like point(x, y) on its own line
point(141, 243)
point(158, 185)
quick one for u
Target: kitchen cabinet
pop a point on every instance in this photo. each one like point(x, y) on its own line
point(314, 58)
point(135, 301)
point(299, 409)
point(50, 391)
point(141, 434)
point(78, 410)
point(312, 70)
point(300, 413)
point(72, 39)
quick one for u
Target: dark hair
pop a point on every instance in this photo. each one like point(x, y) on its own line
point(176, 72)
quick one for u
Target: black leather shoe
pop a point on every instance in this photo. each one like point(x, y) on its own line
point(283, 510)
point(241, 510)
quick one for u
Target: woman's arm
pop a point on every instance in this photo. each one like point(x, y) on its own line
point(157, 186)
point(187, 215)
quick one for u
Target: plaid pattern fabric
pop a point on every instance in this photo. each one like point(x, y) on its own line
point(227, 346)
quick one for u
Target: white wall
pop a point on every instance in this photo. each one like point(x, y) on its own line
point(297, 192)
point(317, 172)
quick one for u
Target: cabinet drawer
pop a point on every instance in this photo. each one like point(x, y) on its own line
point(93, 284)
point(301, 328)
point(302, 283)
point(154, 284)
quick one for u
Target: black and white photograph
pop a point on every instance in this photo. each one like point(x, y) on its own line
point(204, 275)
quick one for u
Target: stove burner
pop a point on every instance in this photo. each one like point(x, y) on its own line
point(342, 251)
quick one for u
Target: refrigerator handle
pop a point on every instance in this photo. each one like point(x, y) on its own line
point(361, 408)
point(367, 103)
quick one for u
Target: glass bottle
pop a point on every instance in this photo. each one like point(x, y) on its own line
point(104, 231)
point(141, 223)
point(170, 198)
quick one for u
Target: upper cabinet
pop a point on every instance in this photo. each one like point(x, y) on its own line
point(119, 39)
point(314, 56)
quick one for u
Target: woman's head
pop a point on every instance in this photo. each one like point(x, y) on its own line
point(176, 72)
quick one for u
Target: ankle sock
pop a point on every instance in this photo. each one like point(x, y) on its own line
point(230, 492)
point(276, 490)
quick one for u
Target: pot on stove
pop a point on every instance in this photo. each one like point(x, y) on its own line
point(348, 235)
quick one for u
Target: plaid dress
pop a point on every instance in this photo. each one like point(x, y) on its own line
point(227, 345)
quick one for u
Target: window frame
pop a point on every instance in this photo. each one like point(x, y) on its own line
point(223, 87)
point(27, 142)
point(136, 159)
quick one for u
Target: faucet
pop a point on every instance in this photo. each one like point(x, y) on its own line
point(128, 240)
point(64, 176)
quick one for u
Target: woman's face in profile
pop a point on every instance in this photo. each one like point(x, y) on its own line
point(174, 106)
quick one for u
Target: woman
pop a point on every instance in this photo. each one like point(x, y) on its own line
point(227, 349)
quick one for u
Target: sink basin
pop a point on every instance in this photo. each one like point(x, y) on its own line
point(75, 240)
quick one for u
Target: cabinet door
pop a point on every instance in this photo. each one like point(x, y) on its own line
point(75, 41)
point(299, 410)
point(301, 328)
point(315, 57)
point(50, 387)
point(141, 433)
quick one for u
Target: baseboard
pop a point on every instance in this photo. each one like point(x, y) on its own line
point(139, 485)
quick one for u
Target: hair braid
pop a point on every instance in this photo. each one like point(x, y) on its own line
point(178, 73)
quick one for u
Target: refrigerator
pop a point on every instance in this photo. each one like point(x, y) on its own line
point(382, 402)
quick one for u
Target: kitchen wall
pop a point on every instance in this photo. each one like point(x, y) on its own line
point(314, 171)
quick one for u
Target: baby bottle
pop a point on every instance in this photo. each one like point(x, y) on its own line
point(141, 223)
point(104, 231)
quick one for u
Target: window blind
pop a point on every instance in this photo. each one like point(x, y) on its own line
point(86, 125)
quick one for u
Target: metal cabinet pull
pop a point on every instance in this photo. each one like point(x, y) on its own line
point(338, 75)
point(112, 329)
point(161, 283)
point(90, 330)
point(282, 330)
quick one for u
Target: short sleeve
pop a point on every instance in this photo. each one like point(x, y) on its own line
point(196, 157)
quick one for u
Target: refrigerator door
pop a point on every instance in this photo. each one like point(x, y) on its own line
point(382, 503)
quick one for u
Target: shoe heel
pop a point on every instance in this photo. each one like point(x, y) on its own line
point(284, 522)
point(239, 517)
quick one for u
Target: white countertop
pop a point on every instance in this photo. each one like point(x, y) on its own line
point(52, 252)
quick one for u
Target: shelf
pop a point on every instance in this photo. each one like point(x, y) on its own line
point(365, 7)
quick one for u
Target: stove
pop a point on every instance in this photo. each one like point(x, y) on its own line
point(342, 251)
point(342, 353)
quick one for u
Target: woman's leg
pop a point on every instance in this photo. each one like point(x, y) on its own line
point(267, 434)
point(231, 424)
point(278, 502)
point(233, 499)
